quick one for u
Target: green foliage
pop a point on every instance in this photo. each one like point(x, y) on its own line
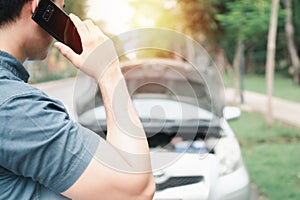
point(248, 20)
point(77, 7)
point(271, 155)
point(274, 168)
point(257, 131)
point(198, 17)
point(44, 71)
point(283, 86)
point(224, 23)
point(245, 19)
point(216, 24)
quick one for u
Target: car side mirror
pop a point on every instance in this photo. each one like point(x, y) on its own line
point(230, 112)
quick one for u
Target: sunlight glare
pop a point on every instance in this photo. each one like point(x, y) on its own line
point(114, 13)
point(170, 4)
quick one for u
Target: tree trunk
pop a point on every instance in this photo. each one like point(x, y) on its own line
point(238, 99)
point(221, 60)
point(270, 65)
point(289, 30)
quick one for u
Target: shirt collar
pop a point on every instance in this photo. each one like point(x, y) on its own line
point(10, 63)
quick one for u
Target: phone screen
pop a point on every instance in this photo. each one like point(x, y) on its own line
point(58, 24)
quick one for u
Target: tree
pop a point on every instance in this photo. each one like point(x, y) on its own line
point(198, 18)
point(271, 59)
point(245, 21)
point(289, 28)
point(296, 21)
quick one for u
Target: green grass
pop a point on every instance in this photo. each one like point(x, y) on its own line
point(274, 168)
point(271, 155)
point(283, 86)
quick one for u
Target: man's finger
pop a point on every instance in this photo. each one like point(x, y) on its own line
point(80, 26)
point(67, 52)
point(76, 20)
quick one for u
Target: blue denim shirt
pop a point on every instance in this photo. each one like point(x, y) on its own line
point(42, 151)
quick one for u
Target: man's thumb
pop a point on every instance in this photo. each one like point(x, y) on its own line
point(68, 53)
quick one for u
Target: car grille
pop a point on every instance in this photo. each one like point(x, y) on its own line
point(179, 181)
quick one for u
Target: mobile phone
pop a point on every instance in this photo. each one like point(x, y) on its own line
point(58, 24)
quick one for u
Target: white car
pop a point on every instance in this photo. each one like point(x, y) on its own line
point(194, 152)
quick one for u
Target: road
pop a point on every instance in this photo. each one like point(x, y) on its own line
point(283, 110)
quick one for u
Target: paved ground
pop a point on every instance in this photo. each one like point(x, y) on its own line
point(285, 111)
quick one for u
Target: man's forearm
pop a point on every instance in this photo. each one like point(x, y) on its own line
point(124, 128)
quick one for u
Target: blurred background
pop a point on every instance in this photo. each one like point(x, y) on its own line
point(254, 43)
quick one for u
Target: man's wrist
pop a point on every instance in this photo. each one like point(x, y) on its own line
point(101, 60)
point(111, 78)
point(111, 74)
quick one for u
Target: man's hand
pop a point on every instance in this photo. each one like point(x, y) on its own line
point(98, 50)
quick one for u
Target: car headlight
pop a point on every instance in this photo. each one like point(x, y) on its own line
point(228, 151)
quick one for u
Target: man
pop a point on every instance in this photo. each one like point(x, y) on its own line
point(43, 153)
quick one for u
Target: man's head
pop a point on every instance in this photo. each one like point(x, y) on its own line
point(19, 34)
point(10, 10)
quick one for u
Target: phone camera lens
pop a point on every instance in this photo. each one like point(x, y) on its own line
point(48, 13)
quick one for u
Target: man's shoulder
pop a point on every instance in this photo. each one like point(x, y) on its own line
point(10, 89)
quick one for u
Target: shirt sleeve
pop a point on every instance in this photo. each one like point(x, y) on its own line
point(41, 142)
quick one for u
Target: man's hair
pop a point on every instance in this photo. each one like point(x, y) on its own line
point(10, 10)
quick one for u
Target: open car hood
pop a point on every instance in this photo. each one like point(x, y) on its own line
point(162, 79)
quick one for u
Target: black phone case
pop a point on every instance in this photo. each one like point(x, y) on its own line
point(58, 24)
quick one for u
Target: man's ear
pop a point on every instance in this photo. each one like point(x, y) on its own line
point(34, 5)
